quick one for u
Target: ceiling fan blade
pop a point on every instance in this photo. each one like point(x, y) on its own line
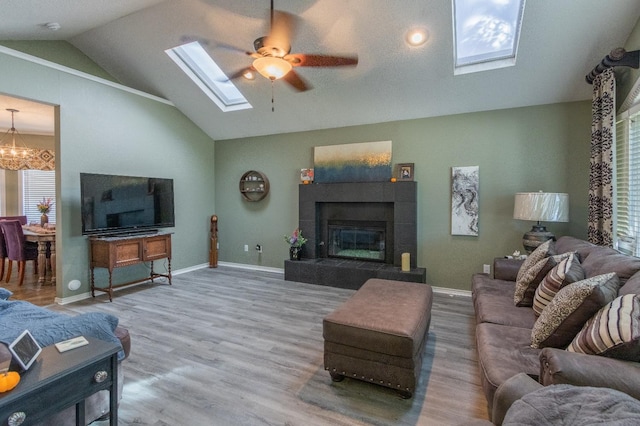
point(302, 60)
point(283, 27)
point(297, 82)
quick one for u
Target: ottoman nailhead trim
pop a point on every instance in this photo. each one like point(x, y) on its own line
point(370, 379)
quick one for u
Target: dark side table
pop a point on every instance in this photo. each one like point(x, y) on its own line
point(59, 380)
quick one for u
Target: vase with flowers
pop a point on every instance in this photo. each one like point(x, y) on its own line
point(295, 241)
point(44, 207)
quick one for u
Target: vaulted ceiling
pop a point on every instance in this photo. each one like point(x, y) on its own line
point(561, 41)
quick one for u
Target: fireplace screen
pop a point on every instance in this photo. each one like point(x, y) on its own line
point(355, 242)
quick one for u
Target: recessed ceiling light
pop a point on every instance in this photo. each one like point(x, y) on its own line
point(417, 37)
point(53, 26)
point(249, 75)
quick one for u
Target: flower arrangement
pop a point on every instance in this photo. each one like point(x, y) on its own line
point(296, 239)
point(44, 206)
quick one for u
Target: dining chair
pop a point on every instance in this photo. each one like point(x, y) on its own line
point(17, 248)
point(3, 254)
point(3, 247)
point(22, 219)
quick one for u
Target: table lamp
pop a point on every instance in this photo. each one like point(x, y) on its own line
point(540, 207)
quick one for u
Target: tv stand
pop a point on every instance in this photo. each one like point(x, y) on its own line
point(125, 250)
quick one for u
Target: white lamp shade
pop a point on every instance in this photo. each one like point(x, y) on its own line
point(541, 206)
point(272, 67)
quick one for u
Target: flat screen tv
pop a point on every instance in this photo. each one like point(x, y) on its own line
point(113, 204)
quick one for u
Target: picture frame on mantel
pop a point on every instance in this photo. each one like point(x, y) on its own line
point(404, 171)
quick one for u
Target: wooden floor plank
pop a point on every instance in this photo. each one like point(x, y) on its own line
point(228, 346)
point(30, 290)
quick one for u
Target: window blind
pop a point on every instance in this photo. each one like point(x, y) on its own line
point(622, 180)
point(36, 185)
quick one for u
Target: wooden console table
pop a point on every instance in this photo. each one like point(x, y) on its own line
point(60, 380)
point(119, 251)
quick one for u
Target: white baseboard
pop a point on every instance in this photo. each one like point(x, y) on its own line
point(451, 291)
point(78, 297)
point(252, 267)
point(87, 295)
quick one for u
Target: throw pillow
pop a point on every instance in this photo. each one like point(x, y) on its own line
point(570, 309)
point(613, 332)
point(526, 286)
point(4, 293)
point(566, 272)
point(543, 250)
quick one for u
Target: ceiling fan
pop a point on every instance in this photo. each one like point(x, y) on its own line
point(273, 60)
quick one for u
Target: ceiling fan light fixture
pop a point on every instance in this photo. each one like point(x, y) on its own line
point(271, 67)
point(417, 37)
point(249, 75)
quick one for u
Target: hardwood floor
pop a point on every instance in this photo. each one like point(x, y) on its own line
point(228, 346)
point(30, 290)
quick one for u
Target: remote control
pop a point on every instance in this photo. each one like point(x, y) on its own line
point(67, 345)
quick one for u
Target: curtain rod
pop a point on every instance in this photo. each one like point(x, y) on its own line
point(618, 57)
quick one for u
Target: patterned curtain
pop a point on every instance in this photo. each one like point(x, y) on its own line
point(600, 229)
point(38, 159)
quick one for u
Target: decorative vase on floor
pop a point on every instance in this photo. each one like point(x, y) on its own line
point(44, 219)
point(295, 253)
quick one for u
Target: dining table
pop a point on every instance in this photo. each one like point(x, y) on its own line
point(45, 237)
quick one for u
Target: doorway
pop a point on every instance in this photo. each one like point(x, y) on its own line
point(35, 127)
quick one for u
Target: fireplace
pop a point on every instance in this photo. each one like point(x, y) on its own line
point(395, 204)
point(359, 226)
point(356, 231)
point(356, 240)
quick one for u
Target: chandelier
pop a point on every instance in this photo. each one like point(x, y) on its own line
point(21, 157)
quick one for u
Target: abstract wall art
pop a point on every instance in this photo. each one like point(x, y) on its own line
point(465, 182)
point(355, 162)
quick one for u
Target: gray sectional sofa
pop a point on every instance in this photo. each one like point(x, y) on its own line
point(504, 330)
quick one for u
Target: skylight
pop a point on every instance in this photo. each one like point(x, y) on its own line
point(486, 33)
point(202, 69)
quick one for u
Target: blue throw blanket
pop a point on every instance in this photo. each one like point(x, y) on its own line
point(49, 327)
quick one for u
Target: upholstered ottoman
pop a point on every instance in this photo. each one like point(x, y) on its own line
point(379, 334)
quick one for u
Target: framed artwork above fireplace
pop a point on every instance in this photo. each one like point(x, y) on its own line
point(354, 162)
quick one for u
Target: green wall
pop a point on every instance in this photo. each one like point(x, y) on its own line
point(60, 52)
point(104, 129)
point(525, 149)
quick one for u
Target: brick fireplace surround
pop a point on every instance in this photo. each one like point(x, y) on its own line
point(396, 201)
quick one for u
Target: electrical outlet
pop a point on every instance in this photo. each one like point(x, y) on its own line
point(486, 269)
point(246, 247)
point(259, 248)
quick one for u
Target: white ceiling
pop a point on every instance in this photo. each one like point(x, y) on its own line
point(561, 41)
point(33, 118)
